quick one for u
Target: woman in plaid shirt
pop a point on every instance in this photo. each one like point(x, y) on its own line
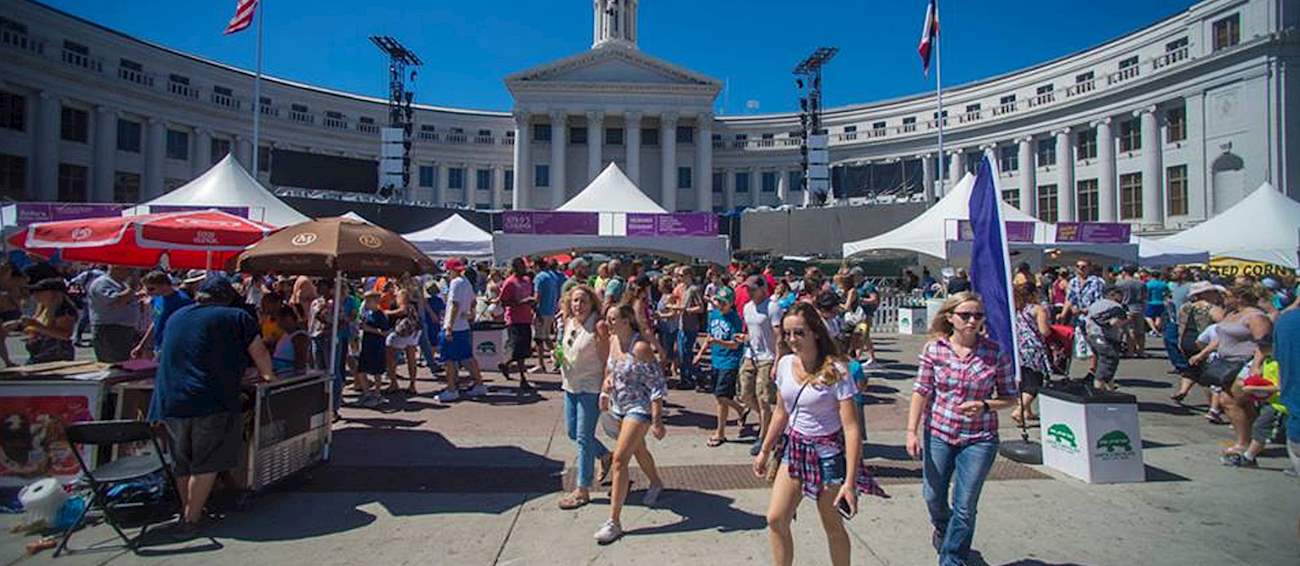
point(960, 370)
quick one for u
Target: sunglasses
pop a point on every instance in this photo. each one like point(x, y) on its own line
point(969, 316)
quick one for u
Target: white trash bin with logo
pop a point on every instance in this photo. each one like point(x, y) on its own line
point(489, 343)
point(1094, 438)
point(912, 320)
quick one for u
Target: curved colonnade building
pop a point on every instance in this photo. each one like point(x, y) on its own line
point(1163, 127)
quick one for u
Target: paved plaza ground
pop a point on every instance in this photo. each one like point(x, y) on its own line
point(476, 483)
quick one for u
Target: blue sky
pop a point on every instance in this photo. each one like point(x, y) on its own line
point(468, 47)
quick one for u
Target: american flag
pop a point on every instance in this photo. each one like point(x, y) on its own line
point(244, 10)
point(928, 34)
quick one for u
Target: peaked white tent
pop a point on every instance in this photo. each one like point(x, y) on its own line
point(353, 216)
point(228, 184)
point(612, 191)
point(930, 232)
point(1159, 253)
point(454, 236)
point(613, 195)
point(1264, 226)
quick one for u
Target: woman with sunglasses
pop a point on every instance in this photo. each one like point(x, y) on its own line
point(581, 355)
point(633, 393)
point(960, 371)
point(817, 421)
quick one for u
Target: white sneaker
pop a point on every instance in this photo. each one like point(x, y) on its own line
point(448, 395)
point(652, 495)
point(477, 391)
point(609, 532)
point(871, 363)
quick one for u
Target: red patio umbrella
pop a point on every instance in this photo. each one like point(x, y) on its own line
point(200, 239)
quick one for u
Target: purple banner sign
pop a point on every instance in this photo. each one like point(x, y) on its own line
point(688, 224)
point(1017, 231)
point(33, 212)
point(1093, 232)
point(240, 211)
point(551, 223)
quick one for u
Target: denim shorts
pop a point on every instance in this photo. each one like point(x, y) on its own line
point(635, 414)
point(834, 468)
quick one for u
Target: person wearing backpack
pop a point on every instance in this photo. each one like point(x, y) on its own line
point(1202, 308)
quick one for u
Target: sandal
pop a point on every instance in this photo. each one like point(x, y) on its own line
point(1178, 397)
point(744, 416)
point(715, 441)
point(571, 501)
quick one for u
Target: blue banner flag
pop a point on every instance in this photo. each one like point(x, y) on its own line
point(990, 263)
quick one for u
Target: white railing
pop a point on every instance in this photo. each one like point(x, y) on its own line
point(488, 140)
point(22, 41)
point(367, 127)
point(1169, 58)
point(227, 101)
point(268, 110)
point(508, 140)
point(84, 61)
point(426, 136)
point(302, 117)
point(182, 90)
point(1127, 73)
point(336, 123)
point(457, 138)
point(134, 76)
point(1083, 87)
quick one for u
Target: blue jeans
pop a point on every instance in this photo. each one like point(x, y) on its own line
point(427, 340)
point(686, 355)
point(1176, 356)
point(580, 413)
point(965, 467)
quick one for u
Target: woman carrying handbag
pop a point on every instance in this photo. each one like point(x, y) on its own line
point(1242, 339)
point(814, 440)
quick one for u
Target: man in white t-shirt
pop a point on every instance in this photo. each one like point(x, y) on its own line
point(458, 343)
point(762, 316)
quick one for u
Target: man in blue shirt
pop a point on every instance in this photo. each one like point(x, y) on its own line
point(206, 348)
point(725, 344)
point(546, 293)
point(1286, 349)
point(166, 300)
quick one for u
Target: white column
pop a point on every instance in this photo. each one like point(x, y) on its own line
point(559, 143)
point(523, 162)
point(782, 187)
point(703, 161)
point(201, 160)
point(1028, 174)
point(243, 150)
point(1106, 171)
point(443, 182)
point(1200, 204)
point(729, 197)
point(632, 142)
point(595, 143)
point(154, 155)
point(927, 173)
point(668, 175)
point(956, 169)
point(105, 154)
point(1152, 170)
point(1065, 175)
point(498, 186)
point(46, 179)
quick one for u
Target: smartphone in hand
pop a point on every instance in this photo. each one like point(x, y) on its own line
point(843, 507)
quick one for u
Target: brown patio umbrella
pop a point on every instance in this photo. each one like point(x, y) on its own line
point(328, 246)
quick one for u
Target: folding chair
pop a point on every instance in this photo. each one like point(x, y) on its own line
point(106, 434)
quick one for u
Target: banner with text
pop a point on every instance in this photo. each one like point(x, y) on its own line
point(550, 223)
point(1017, 231)
point(696, 224)
point(33, 212)
point(1093, 232)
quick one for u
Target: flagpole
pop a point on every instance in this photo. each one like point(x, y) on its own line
point(257, 93)
point(938, 90)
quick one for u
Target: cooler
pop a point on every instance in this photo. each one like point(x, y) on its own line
point(1095, 438)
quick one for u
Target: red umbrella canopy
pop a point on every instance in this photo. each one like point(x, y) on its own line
point(188, 240)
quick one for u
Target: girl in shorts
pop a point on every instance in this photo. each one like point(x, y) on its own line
point(821, 454)
point(633, 393)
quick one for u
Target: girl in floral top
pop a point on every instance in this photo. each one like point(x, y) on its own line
point(1032, 324)
point(821, 458)
point(959, 371)
point(633, 393)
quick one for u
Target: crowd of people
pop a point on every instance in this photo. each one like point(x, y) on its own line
point(793, 350)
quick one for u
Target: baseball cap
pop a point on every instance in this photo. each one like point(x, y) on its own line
point(725, 295)
point(216, 284)
point(454, 264)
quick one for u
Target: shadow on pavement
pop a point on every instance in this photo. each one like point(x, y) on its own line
point(885, 451)
point(1147, 383)
point(701, 511)
point(1164, 408)
point(1154, 474)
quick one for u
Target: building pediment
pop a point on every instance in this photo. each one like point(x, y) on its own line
point(610, 65)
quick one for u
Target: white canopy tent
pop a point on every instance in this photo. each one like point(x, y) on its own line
point(930, 233)
point(353, 216)
point(1264, 226)
point(227, 184)
point(613, 195)
point(453, 237)
point(1159, 253)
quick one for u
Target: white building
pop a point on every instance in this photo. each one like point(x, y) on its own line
point(1162, 127)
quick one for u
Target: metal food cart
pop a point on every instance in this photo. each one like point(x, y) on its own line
point(287, 428)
